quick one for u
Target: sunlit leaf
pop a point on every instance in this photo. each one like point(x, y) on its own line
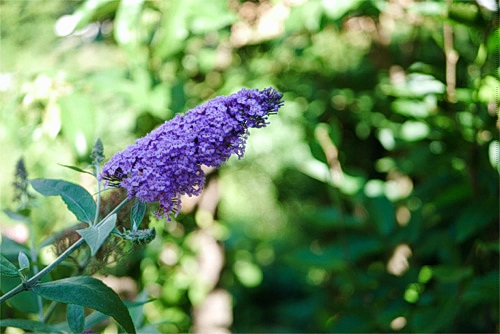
point(90, 9)
point(127, 23)
point(337, 9)
point(413, 131)
point(78, 117)
point(248, 273)
point(174, 29)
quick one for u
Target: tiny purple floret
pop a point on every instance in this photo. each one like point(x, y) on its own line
point(166, 163)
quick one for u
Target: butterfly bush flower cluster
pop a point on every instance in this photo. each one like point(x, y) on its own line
point(166, 163)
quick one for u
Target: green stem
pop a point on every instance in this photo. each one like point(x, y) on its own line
point(97, 172)
point(34, 258)
point(36, 278)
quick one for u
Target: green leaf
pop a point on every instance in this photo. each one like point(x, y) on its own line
point(482, 290)
point(78, 200)
point(89, 292)
point(137, 214)
point(78, 169)
point(76, 317)
point(90, 9)
point(24, 262)
point(464, 13)
point(174, 29)
point(26, 301)
point(336, 9)
point(96, 235)
point(135, 309)
point(127, 23)
point(329, 259)
point(78, 118)
point(448, 273)
point(413, 131)
point(411, 107)
point(381, 212)
point(29, 325)
point(475, 217)
point(207, 16)
point(7, 268)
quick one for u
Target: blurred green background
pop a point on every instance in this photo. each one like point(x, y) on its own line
point(369, 204)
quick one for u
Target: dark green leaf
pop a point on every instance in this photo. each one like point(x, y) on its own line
point(96, 317)
point(137, 214)
point(89, 292)
point(451, 273)
point(25, 302)
point(433, 319)
point(78, 169)
point(7, 268)
point(95, 236)
point(329, 259)
point(381, 212)
point(475, 217)
point(76, 317)
point(482, 290)
point(330, 217)
point(78, 200)
point(30, 325)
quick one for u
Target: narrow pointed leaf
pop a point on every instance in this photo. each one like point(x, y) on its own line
point(137, 214)
point(76, 318)
point(78, 169)
point(7, 268)
point(95, 236)
point(78, 200)
point(88, 292)
point(30, 325)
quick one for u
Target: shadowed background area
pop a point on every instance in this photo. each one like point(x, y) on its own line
point(368, 204)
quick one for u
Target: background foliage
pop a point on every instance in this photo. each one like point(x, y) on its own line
point(369, 204)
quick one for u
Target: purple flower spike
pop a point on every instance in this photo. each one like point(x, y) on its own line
point(166, 163)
